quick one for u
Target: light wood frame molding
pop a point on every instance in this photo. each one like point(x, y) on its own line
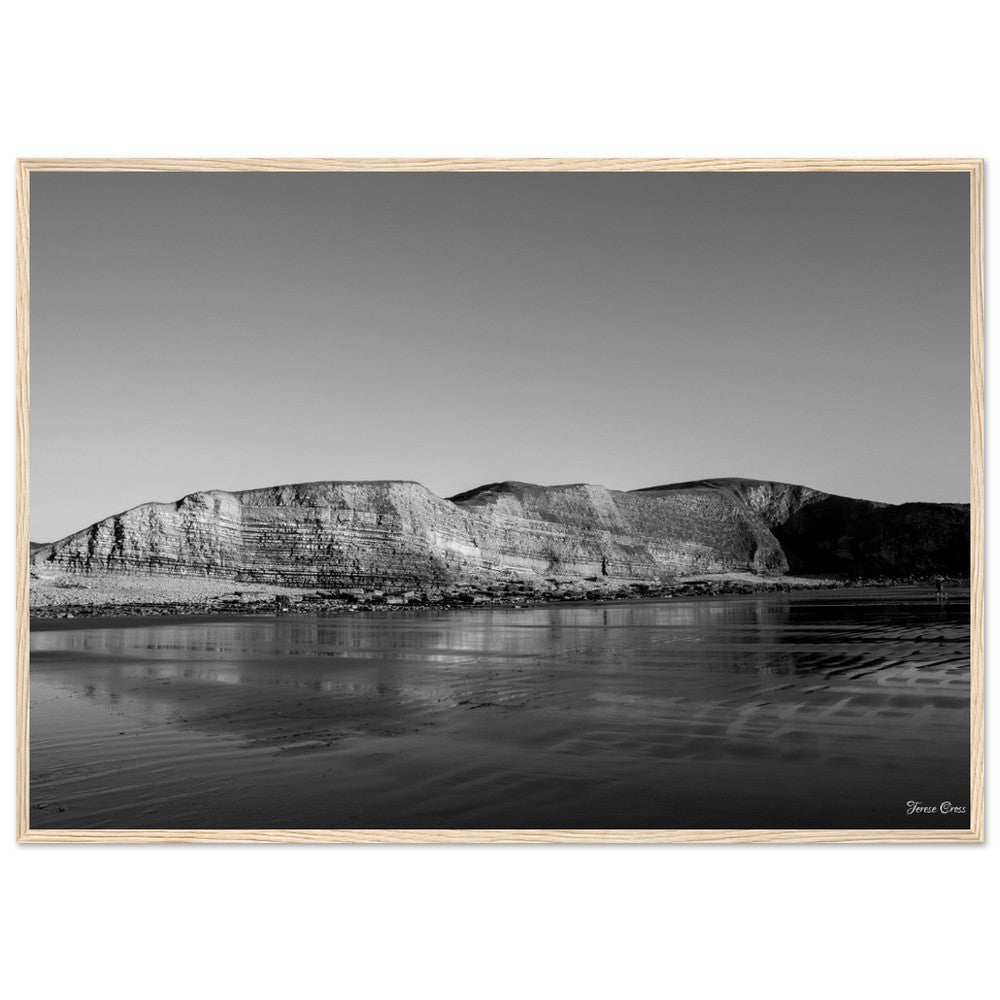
point(974, 167)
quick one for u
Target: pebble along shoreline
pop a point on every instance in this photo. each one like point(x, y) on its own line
point(505, 595)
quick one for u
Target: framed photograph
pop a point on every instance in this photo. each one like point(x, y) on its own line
point(500, 500)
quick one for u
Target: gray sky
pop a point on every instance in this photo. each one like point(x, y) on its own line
point(199, 331)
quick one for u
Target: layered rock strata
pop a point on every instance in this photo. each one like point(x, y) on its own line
point(399, 534)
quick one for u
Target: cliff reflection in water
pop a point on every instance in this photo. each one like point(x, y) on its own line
point(789, 709)
point(449, 637)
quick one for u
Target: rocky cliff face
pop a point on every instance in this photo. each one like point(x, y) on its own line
point(399, 533)
point(822, 533)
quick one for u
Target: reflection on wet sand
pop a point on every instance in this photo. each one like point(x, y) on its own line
point(829, 709)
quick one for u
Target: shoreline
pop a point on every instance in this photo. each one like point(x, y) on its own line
point(236, 604)
point(768, 710)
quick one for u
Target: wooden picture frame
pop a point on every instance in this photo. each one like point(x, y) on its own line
point(974, 168)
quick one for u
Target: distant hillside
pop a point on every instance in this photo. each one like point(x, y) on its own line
point(822, 533)
point(393, 532)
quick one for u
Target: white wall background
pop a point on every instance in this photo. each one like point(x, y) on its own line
point(305, 79)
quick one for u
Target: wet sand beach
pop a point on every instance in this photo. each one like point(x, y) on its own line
point(829, 709)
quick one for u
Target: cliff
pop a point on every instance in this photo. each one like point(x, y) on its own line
point(349, 534)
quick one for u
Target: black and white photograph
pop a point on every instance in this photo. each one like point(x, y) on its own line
point(550, 499)
point(498, 501)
